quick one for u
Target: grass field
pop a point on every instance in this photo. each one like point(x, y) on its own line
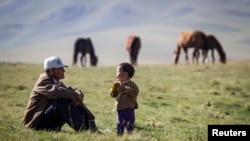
point(176, 103)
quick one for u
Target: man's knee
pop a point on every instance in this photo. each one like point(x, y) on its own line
point(64, 102)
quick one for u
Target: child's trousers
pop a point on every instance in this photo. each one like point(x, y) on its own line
point(125, 120)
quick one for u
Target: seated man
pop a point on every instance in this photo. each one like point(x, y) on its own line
point(52, 104)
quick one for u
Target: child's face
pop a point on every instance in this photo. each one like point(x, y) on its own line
point(120, 74)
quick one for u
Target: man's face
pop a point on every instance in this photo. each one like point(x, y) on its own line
point(58, 73)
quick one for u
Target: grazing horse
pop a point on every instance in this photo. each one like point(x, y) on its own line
point(213, 43)
point(133, 46)
point(191, 39)
point(84, 46)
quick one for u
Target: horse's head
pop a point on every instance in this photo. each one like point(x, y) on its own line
point(223, 58)
point(177, 54)
point(176, 57)
point(93, 60)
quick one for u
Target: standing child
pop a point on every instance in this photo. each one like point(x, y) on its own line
point(125, 91)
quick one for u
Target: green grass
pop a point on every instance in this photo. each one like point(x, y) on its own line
point(176, 103)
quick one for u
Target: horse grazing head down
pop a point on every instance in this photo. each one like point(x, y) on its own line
point(133, 45)
point(84, 46)
point(213, 43)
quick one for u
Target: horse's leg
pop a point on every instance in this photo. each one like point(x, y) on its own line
point(204, 53)
point(83, 62)
point(131, 58)
point(133, 61)
point(186, 55)
point(212, 54)
point(74, 58)
point(136, 61)
point(135, 57)
point(196, 55)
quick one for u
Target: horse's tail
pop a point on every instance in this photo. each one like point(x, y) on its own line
point(91, 47)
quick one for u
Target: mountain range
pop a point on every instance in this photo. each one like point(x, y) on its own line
point(33, 30)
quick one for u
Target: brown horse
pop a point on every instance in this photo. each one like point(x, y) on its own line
point(191, 39)
point(213, 43)
point(84, 46)
point(133, 46)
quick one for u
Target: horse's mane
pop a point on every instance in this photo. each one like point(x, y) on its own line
point(92, 50)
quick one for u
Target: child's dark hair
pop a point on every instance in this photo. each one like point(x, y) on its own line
point(127, 67)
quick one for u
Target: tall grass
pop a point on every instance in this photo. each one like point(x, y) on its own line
point(176, 103)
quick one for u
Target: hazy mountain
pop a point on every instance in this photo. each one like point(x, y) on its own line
point(33, 30)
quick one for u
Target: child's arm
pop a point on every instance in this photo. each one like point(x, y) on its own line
point(130, 89)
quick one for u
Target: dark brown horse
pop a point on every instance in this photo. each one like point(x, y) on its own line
point(191, 39)
point(213, 43)
point(84, 46)
point(133, 46)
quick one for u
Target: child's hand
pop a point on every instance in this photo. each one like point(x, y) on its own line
point(124, 88)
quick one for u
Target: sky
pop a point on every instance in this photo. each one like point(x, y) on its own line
point(30, 31)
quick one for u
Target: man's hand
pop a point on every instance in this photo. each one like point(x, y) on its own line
point(80, 95)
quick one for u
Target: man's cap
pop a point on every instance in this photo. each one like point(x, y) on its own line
point(53, 62)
